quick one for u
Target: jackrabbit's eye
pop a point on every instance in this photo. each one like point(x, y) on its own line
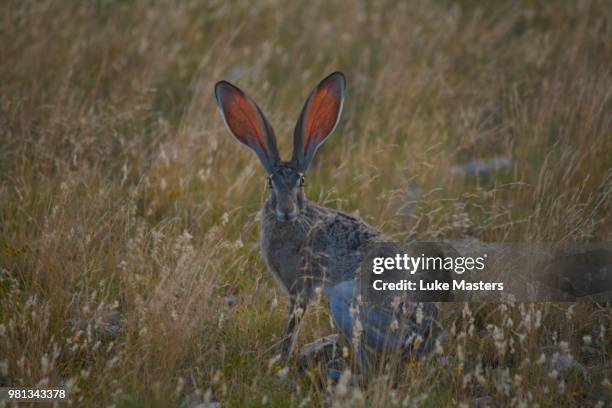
point(302, 181)
point(270, 182)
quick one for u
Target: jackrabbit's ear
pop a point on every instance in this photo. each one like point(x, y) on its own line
point(318, 119)
point(246, 122)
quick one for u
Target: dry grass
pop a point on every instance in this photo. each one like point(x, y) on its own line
point(120, 190)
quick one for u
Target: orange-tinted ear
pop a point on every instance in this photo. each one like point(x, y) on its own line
point(318, 119)
point(246, 123)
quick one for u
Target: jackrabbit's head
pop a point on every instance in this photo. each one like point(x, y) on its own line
point(249, 126)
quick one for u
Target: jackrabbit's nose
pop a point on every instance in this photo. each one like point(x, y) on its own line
point(290, 216)
point(287, 215)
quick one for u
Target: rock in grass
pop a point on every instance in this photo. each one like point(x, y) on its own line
point(324, 350)
point(564, 365)
point(483, 402)
point(591, 356)
point(106, 325)
point(208, 405)
point(481, 168)
point(326, 353)
point(567, 367)
point(230, 300)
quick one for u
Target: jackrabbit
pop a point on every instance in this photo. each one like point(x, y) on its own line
point(304, 245)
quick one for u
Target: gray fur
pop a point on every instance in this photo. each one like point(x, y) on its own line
point(321, 244)
point(319, 248)
point(304, 245)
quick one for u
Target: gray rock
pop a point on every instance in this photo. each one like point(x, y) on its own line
point(196, 401)
point(410, 202)
point(107, 325)
point(565, 365)
point(112, 323)
point(325, 350)
point(591, 356)
point(208, 405)
point(230, 300)
point(445, 361)
point(481, 168)
point(484, 402)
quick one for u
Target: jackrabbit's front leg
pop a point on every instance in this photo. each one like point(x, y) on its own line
point(297, 309)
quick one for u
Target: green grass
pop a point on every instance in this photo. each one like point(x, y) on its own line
point(121, 189)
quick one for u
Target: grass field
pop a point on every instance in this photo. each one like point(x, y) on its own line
point(128, 214)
